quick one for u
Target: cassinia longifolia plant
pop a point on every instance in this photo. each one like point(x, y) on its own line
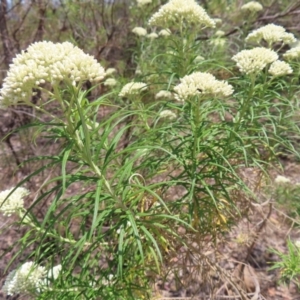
point(160, 174)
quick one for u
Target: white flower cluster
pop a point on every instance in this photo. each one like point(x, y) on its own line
point(280, 68)
point(164, 94)
point(199, 83)
point(293, 53)
point(165, 32)
point(110, 82)
point(140, 31)
point(218, 42)
point(168, 114)
point(254, 60)
point(218, 21)
point(141, 3)
point(176, 10)
point(253, 6)
point(51, 275)
point(47, 62)
point(271, 33)
point(132, 88)
point(29, 278)
point(110, 71)
point(14, 202)
point(152, 35)
point(219, 33)
point(25, 279)
point(282, 179)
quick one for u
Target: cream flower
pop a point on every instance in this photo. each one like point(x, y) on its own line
point(141, 3)
point(271, 33)
point(47, 62)
point(164, 94)
point(168, 114)
point(140, 31)
point(295, 44)
point(110, 82)
point(110, 71)
point(252, 6)
point(132, 88)
point(28, 277)
point(51, 275)
point(152, 35)
point(165, 32)
point(138, 70)
point(54, 272)
point(282, 179)
point(175, 11)
point(14, 202)
point(254, 60)
point(218, 42)
point(199, 83)
point(218, 21)
point(280, 68)
point(293, 53)
point(219, 33)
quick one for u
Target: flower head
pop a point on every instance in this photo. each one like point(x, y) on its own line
point(24, 279)
point(219, 33)
point(168, 114)
point(280, 68)
point(141, 3)
point(271, 33)
point(218, 42)
point(164, 94)
point(140, 31)
point(47, 62)
point(110, 71)
point(110, 82)
point(199, 83)
point(293, 53)
point(176, 10)
point(254, 60)
point(152, 35)
point(218, 21)
point(14, 202)
point(252, 6)
point(132, 88)
point(282, 179)
point(52, 274)
point(165, 32)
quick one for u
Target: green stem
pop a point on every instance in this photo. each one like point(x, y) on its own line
point(244, 109)
point(196, 122)
point(85, 148)
point(27, 221)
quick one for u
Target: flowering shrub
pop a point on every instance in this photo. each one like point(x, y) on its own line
point(160, 172)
